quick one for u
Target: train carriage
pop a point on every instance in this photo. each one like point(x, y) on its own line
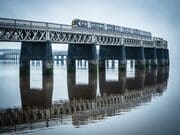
point(126, 30)
point(98, 26)
point(109, 27)
point(118, 29)
point(80, 23)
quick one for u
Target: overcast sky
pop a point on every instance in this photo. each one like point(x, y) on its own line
point(161, 17)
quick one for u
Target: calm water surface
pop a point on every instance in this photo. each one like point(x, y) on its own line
point(149, 103)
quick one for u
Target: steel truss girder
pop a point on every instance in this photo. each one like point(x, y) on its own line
point(16, 34)
point(108, 40)
point(68, 37)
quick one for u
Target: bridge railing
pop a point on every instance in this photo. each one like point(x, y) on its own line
point(30, 24)
point(7, 21)
point(38, 24)
point(54, 26)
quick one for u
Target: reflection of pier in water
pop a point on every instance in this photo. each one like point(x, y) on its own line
point(116, 97)
point(40, 97)
point(81, 91)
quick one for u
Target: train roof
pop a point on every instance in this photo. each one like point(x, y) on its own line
point(142, 31)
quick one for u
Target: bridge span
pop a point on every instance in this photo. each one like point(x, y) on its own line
point(36, 38)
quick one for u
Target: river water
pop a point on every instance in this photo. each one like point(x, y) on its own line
point(152, 108)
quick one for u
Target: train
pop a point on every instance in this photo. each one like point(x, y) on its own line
point(108, 27)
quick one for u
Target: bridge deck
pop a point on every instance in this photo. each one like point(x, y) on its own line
point(34, 31)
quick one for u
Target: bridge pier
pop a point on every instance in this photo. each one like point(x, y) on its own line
point(150, 55)
point(108, 88)
point(162, 77)
point(140, 61)
point(150, 77)
point(36, 96)
point(112, 53)
point(136, 83)
point(154, 62)
point(36, 51)
point(82, 51)
point(160, 56)
point(81, 91)
point(136, 53)
point(166, 56)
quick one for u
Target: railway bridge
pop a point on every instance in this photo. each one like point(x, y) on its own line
point(36, 38)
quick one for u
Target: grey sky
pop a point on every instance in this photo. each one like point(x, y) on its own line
point(161, 17)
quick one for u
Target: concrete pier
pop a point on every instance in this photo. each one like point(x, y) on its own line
point(108, 88)
point(150, 76)
point(87, 53)
point(36, 51)
point(150, 56)
point(136, 83)
point(36, 96)
point(136, 53)
point(82, 51)
point(160, 57)
point(140, 61)
point(166, 56)
point(112, 53)
point(81, 91)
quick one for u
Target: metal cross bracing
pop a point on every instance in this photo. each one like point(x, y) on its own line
point(14, 30)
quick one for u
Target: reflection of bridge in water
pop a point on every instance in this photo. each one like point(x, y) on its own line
point(83, 105)
point(12, 54)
